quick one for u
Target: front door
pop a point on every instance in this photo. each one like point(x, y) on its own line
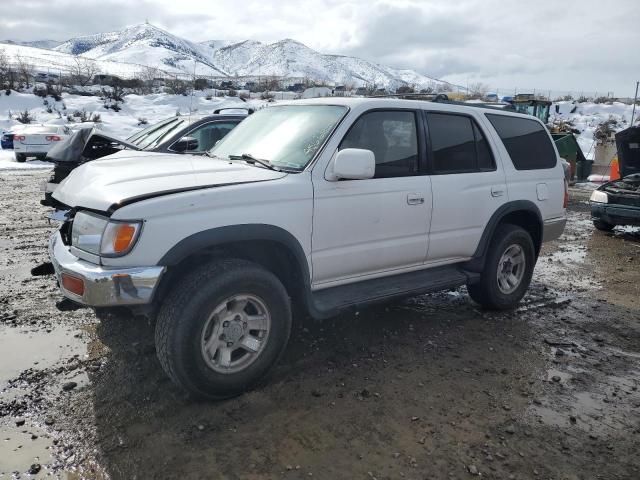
point(364, 227)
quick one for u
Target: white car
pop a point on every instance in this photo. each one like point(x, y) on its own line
point(37, 140)
point(325, 204)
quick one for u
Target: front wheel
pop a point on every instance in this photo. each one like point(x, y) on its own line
point(508, 269)
point(21, 157)
point(222, 328)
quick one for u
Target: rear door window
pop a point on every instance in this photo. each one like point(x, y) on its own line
point(457, 144)
point(526, 141)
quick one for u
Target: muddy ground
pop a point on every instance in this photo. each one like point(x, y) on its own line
point(427, 388)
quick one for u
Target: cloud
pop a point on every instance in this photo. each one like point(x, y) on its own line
point(504, 43)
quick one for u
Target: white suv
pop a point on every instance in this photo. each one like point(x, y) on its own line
point(326, 204)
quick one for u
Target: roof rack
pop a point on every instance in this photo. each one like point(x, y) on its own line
point(439, 98)
point(432, 97)
point(248, 109)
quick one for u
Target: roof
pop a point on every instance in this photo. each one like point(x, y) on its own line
point(390, 102)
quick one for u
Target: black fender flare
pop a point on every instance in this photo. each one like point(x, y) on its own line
point(234, 233)
point(477, 262)
point(239, 233)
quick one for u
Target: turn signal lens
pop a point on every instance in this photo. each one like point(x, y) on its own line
point(72, 284)
point(119, 238)
point(566, 195)
point(19, 138)
point(52, 138)
point(123, 238)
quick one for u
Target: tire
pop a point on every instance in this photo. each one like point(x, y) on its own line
point(603, 226)
point(489, 292)
point(21, 157)
point(185, 320)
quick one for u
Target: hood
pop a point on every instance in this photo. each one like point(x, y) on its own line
point(628, 145)
point(126, 177)
point(72, 148)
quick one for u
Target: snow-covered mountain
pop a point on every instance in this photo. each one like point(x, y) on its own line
point(294, 59)
point(148, 45)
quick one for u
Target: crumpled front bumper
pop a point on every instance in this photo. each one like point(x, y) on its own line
point(103, 286)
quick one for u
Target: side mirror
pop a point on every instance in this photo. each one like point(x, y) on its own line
point(185, 144)
point(354, 164)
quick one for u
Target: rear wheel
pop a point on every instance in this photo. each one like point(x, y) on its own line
point(602, 225)
point(222, 328)
point(21, 157)
point(508, 269)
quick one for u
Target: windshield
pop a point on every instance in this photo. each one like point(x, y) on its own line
point(287, 135)
point(153, 135)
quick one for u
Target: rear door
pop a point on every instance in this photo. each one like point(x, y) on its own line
point(364, 227)
point(531, 165)
point(468, 184)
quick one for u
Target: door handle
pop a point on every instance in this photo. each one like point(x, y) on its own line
point(415, 199)
point(497, 191)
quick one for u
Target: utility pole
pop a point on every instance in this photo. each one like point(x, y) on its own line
point(635, 100)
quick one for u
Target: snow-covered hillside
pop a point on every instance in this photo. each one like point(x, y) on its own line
point(149, 45)
point(52, 61)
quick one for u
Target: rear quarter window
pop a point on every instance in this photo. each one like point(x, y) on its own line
point(526, 141)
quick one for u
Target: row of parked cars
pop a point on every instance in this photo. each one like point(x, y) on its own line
point(219, 228)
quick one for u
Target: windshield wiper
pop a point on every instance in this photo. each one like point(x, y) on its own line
point(247, 157)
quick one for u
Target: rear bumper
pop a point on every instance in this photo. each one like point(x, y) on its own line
point(103, 287)
point(615, 214)
point(31, 149)
point(553, 228)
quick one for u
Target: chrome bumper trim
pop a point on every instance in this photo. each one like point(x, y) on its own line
point(103, 286)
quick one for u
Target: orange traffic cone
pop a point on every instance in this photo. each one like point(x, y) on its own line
point(614, 172)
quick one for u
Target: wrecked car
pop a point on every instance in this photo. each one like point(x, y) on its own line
point(193, 134)
point(618, 202)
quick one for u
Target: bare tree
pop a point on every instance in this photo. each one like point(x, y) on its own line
point(477, 90)
point(82, 71)
point(5, 70)
point(25, 69)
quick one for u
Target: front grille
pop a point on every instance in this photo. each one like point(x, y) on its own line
point(65, 232)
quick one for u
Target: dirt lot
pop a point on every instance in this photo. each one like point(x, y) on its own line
point(427, 388)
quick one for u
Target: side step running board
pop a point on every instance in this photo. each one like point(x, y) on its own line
point(330, 301)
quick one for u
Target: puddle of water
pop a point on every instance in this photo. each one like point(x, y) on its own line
point(18, 451)
point(22, 350)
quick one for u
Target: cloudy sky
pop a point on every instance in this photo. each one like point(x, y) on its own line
point(577, 45)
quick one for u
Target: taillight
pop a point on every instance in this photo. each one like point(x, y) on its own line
point(566, 195)
point(19, 138)
point(52, 138)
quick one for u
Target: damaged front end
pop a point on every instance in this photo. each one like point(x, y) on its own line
point(616, 203)
point(625, 191)
point(82, 146)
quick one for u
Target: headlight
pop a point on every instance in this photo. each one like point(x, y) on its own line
point(599, 197)
point(96, 234)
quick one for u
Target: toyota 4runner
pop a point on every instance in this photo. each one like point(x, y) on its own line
point(324, 204)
